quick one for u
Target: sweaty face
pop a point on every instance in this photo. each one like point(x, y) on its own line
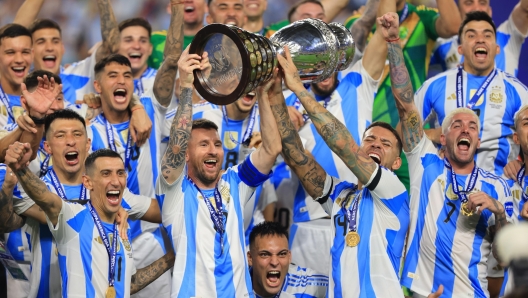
point(116, 86)
point(15, 58)
point(204, 155)
point(226, 12)
point(135, 45)
point(461, 139)
point(465, 6)
point(48, 50)
point(308, 10)
point(270, 258)
point(68, 144)
point(326, 87)
point(382, 146)
point(479, 47)
point(255, 8)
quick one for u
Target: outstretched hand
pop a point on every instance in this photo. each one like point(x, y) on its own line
point(389, 25)
point(290, 72)
point(18, 156)
point(39, 101)
point(186, 66)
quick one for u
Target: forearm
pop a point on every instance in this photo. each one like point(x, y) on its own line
point(9, 220)
point(338, 138)
point(361, 28)
point(520, 16)
point(166, 76)
point(173, 160)
point(332, 8)
point(37, 190)
point(411, 123)
point(9, 139)
point(28, 12)
point(267, 153)
point(448, 21)
point(109, 30)
point(145, 276)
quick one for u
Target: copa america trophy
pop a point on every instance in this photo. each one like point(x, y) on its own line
point(241, 61)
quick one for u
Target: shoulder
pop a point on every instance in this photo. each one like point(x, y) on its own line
point(499, 184)
point(512, 80)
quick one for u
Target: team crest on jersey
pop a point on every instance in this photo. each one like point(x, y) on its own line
point(496, 94)
point(17, 111)
point(226, 194)
point(228, 143)
point(110, 238)
point(508, 206)
point(126, 244)
point(452, 196)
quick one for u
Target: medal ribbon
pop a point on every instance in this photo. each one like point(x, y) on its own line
point(45, 164)
point(249, 128)
point(520, 180)
point(111, 141)
point(405, 13)
point(480, 91)
point(112, 251)
point(462, 195)
point(351, 214)
point(216, 215)
point(5, 101)
point(60, 189)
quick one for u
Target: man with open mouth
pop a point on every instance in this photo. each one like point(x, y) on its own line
point(272, 273)
point(456, 206)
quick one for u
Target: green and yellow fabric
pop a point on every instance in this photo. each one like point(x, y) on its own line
point(158, 39)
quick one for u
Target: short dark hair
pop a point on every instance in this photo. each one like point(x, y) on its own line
point(90, 160)
point(44, 24)
point(204, 123)
point(62, 114)
point(117, 58)
point(388, 127)
point(476, 16)
point(31, 80)
point(14, 30)
point(293, 9)
point(267, 228)
point(135, 22)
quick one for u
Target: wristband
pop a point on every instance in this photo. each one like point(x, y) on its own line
point(136, 108)
point(392, 40)
point(38, 121)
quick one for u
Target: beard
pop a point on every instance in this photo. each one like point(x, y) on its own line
point(325, 92)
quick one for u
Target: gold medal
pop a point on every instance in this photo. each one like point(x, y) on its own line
point(111, 292)
point(465, 210)
point(352, 239)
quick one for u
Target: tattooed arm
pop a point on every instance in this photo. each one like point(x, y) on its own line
point(109, 30)
point(335, 134)
point(166, 76)
point(411, 123)
point(16, 158)
point(9, 220)
point(145, 276)
point(361, 28)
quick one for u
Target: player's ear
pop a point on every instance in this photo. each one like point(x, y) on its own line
point(87, 182)
point(250, 260)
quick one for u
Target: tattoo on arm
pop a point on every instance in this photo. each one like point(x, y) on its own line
point(412, 131)
point(338, 138)
point(166, 76)
point(174, 158)
point(37, 190)
point(361, 28)
point(145, 276)
point(9, 220)
point(109, 29)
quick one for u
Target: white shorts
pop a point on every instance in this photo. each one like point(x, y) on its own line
point(148, 247)
point(310, 242)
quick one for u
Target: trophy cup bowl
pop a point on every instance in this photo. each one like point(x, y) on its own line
point(241, 61)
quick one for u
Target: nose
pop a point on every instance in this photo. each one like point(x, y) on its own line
point(274, 260)
point(136, 44)
point(19, 58)
point(70, 140)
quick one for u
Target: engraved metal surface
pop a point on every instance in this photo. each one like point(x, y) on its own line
point(345, 48)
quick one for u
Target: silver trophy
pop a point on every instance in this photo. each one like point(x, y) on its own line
point(241, 61)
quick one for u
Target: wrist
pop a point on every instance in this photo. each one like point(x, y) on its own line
point(37, 118)
point(389, 40)
point(135, 108)
point(186, 85)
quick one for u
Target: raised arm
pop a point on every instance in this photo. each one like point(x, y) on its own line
point(332, 8)
point(411, 123)
point(166, 76)
point(449, 20)
point(145, 276)
point(9, 220)
point(173, 160)
point(28, 12)
point(362, 27)
point(109, 30)
point(335, 134)
point(520, 16)
point(311, 174)
point(17, 157)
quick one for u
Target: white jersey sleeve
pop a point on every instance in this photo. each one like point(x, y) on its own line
point(83, 69)
point(62, 232)
point(135, 205)
point(510, 40)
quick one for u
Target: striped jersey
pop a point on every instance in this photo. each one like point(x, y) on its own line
point(82, 257)
point(303, 282)
point(517, 199)
point(351, 103)
point(509, 39)
point(496, 108)
point(445, 247)
point(145, 82)
point(202, 267)
point(382, 222)
point(79, 78)
point(44, 253)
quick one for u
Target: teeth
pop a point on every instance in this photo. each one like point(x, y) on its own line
point(464, 140)
point(189, 8)
point(251, 94)
point(18, 68)
point(113, 192)
point(71, 153)
point(274, 272)
point(49, 57)
point(211, 160)
point(231, 23)
point(120, 90)
point(135, 55)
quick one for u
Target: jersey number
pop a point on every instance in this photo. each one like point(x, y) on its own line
point(282, 216)
point(450, 212)
point(231, 159)
point(340, 221)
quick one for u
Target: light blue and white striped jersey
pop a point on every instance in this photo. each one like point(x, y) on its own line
point(202, 269)
point(303, 283)
point(445, 247)
point(509, 39)
point(351, 103)
point(44, 253)
point(9, 115)
point(83, 258)
point(145, 82)
point(496, 108)
point(517, 199)
point(79, 78)
point(382, 221)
